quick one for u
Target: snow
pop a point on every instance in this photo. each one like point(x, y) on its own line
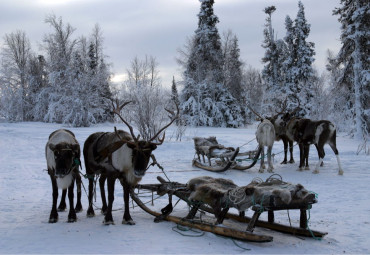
point(343, 209)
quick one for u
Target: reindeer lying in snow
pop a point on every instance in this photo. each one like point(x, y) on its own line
point(222, 194)
point(62, 153)
point(118, 155)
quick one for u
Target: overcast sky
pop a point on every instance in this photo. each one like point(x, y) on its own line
point(159, 28)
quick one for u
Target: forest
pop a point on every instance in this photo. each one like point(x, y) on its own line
point(69, 80)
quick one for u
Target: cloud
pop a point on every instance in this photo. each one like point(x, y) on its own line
point(158, 28)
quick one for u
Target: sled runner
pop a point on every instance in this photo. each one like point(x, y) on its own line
point(216, 196)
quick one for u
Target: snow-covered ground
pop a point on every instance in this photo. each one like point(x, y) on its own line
point(343, 209)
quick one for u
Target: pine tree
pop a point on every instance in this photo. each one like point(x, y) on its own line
point(355, 27)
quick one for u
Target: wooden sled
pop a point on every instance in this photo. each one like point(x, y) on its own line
point(182, 192)
point(229, 160)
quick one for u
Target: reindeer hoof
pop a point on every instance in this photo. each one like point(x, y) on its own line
point(62, 208)
point(53, 220)
point(128, 222)
point(90, 213)
point(340, 172)
point(284, 162)
point(108, 222)
point(261, 170)
point(270, 170)
point(70, 220)
point(291, 161)
point(315, 171)
point(307, 168)
point(300, 169)
point(78, 208)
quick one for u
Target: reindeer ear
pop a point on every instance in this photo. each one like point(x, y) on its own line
point(52, 147)
point(76, 149)
point(249, 191)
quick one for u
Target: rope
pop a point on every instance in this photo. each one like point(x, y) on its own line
point(247, 143)
point(237, 195)
point(180, 229)
point(308, 228)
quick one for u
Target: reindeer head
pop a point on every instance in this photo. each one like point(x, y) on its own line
point(65, 156)
point(281, 118)
point(141, 149)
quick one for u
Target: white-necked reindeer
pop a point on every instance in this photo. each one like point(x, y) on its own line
point(265, 136)
point(118, 155)
point(62, 153)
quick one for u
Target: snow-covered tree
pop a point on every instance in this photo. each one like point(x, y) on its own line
point(354, 59)
point(304, 52)
point(254, 91)
point(272, 72)
point(144, 90)
point(204, 76)
point(14, 59)
point(233, 66)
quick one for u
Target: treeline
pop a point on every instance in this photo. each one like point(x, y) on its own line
point(70, 82)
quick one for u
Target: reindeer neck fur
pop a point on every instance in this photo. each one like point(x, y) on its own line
point(122, 161)
point(65, 182)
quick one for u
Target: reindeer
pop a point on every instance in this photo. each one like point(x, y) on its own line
point(118, 155)
point(265, 136)
point(280, 133)
point(62, 153)
point(319, 133)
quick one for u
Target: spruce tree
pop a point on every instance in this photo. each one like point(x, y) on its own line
point(354, 58)
point(272, 72)
point(304, 52)
point(204, 98)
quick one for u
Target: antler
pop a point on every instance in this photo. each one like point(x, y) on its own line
point(250, 108)
point(174, 117)
point(117, 110)
point(284, 106)
point(298, 107)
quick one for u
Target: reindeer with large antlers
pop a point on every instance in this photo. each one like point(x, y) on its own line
point(119, 155)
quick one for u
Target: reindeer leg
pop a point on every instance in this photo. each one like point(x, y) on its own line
point(102, 194)
point(126, 197)
point(285, 151)
point(262, 167)
point(321, 152)
point(72, 213)
point(78, 207)
point(54, 213)
point(301, 156)
point(334, 148)
point(306, 153)
point(108, 219)
point(291, 152)
point(90, 211)
point(62, 205)
point(270, 167)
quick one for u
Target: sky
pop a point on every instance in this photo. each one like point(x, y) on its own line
point(159, 28)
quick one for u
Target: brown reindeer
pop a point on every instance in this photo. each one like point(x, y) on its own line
point(119, 155)
point(306, 132)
